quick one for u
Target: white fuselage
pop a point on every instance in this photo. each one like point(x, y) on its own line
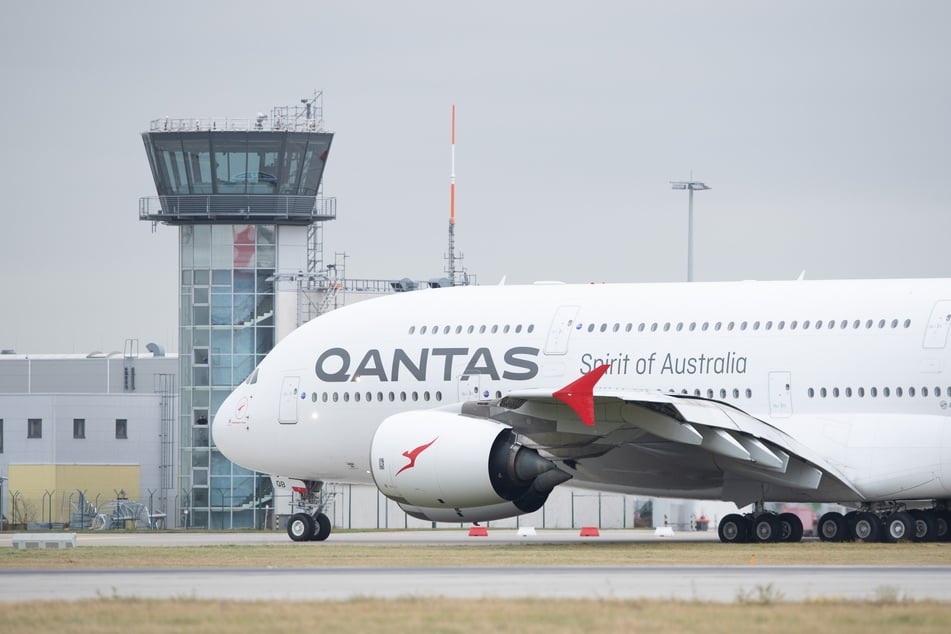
point(856, 371)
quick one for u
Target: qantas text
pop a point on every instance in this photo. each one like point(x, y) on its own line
point(517, 364)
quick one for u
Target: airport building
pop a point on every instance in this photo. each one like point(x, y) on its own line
point(83, 435)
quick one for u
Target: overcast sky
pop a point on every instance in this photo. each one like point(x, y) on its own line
point(823, 128)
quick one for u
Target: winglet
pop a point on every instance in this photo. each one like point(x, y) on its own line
point(579, 395)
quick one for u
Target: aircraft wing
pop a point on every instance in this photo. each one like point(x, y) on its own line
point(665, 442)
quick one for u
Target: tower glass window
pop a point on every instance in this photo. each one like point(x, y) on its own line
point(223, 265)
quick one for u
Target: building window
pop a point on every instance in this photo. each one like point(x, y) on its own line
point(79, 428)
point(34, 428)
point(122, 428)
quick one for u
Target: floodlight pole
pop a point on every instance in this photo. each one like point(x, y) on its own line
point(690, 186)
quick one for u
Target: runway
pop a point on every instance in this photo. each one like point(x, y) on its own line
point(327, 584)
point(701, 583)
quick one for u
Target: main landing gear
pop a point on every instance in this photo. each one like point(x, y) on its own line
point(887, 522)
point(760, 526)
point(310, 524)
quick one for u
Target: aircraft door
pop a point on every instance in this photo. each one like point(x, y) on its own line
point(470, 388)
point(287, 414)
point(560, 331)
point(780, 394)
point(936, 335)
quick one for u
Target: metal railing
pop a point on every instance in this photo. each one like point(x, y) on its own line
point(231, 124)
point(226, 207)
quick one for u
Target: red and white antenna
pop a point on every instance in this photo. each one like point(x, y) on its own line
point(452, 171)
point(451, 256)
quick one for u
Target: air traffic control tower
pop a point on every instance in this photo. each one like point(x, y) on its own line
point(245, 196)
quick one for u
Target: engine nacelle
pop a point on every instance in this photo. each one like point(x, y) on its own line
point(444, 467)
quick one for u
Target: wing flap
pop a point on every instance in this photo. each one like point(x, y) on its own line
point(722, 443)
point(663, 426)
point(763, 455)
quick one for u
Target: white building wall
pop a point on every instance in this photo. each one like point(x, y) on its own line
point(363, 507)
point(291, 260)
point(90, 389)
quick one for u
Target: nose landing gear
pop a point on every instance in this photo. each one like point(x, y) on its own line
point(309, 523)
point(304, 528)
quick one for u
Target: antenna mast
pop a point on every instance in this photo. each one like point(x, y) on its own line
point(451, 257)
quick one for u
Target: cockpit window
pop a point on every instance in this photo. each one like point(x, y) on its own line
point(253, 378)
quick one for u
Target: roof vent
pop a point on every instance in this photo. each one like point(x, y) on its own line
point(156, 349)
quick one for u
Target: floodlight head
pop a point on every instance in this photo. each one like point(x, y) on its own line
point(691, 185)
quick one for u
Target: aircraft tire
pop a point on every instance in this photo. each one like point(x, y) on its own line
point(866, 527)
point(321, 527)
point(790, 528)
point(942, 526)
point(300, 527)
point(926, 527)
point(833, 527)
point(733, 529)
point(899, 526)
point(767, 528)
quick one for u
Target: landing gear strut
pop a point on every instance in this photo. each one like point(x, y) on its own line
point(309, 523)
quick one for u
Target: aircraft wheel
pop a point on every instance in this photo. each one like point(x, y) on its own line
point(322, 528)
point(942, 526)
point(899, 526)
point(733, 529)
point(767, 528)
point(300, 527)
point(866, 527)
point(925, 525)
point(833, 527)
point(790, 528)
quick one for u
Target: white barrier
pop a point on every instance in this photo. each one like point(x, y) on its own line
point(23, 541)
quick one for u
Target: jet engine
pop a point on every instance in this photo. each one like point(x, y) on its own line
point(444, 467)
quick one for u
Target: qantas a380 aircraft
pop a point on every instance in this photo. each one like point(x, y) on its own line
point(471, 404)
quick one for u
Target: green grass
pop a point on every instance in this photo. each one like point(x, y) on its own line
point(107, 616)
point(594, 553)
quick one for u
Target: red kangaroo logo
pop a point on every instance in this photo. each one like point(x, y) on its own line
point(413, 454)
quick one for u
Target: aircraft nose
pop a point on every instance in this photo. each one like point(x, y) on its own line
point(230, 424)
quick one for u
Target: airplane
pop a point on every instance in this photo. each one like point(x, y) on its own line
point(472, 403)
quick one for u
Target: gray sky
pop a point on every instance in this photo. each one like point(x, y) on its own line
point(822, 126)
